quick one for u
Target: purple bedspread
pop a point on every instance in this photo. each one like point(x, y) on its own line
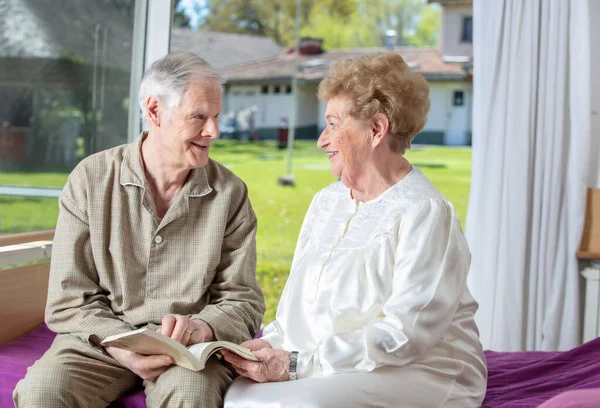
point(528, 378)
point(15, 357)
point(524, 379)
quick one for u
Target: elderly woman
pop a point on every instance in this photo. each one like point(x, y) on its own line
point(376, 311)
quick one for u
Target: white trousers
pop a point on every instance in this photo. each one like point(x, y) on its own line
point(394, 387)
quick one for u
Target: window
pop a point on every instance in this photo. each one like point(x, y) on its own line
point(467, 30)
point(458, 98)
point(264, 89)
point(288, 89)
point(62, 100)
point(276, 89)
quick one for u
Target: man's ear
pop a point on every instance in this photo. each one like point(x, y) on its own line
point(153, 110)
point(379, 128)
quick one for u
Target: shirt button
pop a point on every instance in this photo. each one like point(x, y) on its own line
point(158, 239)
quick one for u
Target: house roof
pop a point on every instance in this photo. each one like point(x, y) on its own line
point(223, 50)
point(427, 61)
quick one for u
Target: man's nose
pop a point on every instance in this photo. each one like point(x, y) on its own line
point(211, 128)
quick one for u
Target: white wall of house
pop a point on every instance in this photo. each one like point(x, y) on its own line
point(273, 106)
point(454, 121)
point(241, 97)
point(452, 21)
point(308, 106)
point(438, 111)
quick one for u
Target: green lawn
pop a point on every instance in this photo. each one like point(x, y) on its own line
point(279, 209)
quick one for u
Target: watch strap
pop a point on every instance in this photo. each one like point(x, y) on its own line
point(293, 365)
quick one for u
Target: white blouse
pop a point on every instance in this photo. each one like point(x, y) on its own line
point(381, 283)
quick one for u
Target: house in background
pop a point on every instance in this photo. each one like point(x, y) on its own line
point(266, 83)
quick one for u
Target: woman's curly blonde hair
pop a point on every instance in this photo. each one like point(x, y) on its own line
point(382, 84)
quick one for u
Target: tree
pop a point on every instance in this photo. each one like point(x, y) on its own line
point(269, 18)
point(341, 23)
point(415, 23)
point(427, 28)
point(398, 15)
point(180, 18)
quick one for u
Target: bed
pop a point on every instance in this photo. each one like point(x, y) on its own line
point(521, 379)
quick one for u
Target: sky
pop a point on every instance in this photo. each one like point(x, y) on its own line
point(188, 5)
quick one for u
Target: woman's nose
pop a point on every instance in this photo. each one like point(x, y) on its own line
point(323, 139)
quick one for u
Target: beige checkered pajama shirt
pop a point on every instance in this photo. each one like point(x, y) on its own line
point(116, 266)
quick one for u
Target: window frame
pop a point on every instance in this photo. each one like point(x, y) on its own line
point(464, 38)
point(151, 41)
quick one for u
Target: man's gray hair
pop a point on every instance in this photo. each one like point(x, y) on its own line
point(169, 77)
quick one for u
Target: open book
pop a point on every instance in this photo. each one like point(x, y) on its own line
point(149, 342)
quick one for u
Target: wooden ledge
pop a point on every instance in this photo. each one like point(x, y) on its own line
point(15, 239)
point(584, 255)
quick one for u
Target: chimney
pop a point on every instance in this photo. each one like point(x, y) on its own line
point(311, 46)
point(391, 37)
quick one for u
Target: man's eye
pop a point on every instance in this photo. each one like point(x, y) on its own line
point(201, 117)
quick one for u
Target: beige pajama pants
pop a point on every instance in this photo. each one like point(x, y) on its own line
point(75, 374)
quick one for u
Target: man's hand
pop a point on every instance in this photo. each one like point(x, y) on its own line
point(185, 330)
point(274, 364)
point(147, 367)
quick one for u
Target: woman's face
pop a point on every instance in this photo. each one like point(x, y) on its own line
point(345, 140)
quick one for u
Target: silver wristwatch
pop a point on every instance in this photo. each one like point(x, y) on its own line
point(293, 364)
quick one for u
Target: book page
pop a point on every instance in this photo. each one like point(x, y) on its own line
point(202, 351)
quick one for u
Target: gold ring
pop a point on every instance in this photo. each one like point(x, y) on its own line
point(189, 332)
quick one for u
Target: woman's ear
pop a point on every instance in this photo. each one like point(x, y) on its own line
point(380, 126)
point(153, 110)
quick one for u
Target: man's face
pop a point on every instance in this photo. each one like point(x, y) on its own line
point(193, 125)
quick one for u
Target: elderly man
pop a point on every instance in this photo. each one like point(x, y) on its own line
point(154, 234)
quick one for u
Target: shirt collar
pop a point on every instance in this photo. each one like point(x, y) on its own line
point(132, 171)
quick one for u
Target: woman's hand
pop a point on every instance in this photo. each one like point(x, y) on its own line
point(147, 367)
point(274, 364)
point(185, 330)
point(256, 344)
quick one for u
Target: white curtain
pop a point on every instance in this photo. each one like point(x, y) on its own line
point(531, 167)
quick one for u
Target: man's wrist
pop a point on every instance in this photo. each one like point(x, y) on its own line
point(293, 365)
